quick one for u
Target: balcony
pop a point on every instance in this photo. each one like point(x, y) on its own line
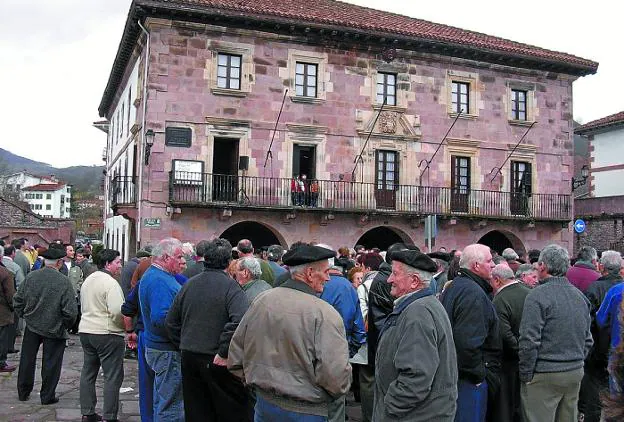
point(597, 207)
point(216, 190)
point(122, 194)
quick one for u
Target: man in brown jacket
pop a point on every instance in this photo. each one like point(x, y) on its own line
point(7, 290)
point(291, 346)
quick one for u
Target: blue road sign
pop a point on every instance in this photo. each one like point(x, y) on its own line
point(579, 226)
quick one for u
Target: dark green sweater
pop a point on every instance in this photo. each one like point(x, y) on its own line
point(509, 303)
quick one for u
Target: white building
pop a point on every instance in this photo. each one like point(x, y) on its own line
point(606, 149)
point(46, 195)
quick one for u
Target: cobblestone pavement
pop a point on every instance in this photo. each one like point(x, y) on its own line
point(68, 390)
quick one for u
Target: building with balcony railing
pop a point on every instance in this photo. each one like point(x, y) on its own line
point(238, 100)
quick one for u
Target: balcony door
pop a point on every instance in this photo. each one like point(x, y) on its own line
point(521, 188)
point(225, 170)
point(386, 178)
point(460, 183)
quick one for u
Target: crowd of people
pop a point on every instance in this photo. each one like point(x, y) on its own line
point(226, 333)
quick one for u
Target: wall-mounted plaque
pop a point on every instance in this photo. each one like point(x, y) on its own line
point(178, 136)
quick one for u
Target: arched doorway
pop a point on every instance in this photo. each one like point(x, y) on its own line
point(382, 237)
point(259, 234)
point(501, 240)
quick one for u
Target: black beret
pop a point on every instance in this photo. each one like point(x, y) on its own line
point(444, 256)
point(306, 254)
point(415, 259)
point(53, 253)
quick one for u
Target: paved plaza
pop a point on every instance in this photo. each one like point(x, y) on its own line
point(68, 408)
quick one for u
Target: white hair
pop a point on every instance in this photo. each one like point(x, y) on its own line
point(187, 249)
point(167, 247)
point(503, 272)
point(611, 261)
point(425, 276)
point(509, 254)
point(473, 254)
point(251, 264)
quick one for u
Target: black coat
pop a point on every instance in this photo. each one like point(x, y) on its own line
point(475, 327)
point(380, 305)
point(598, 357)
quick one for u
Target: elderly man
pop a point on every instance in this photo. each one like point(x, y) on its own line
point(201, 323)
point(555, 339)
point(509, 296)
point(102, 337)
point(245, 249)
point(47, 302)
point(583, 273)
point(605, 296)
point(197, 267)
point(157, 290)
point(511, 257)
point(7, 316)
point(248, 273)
point(527, 274)
point(18, 278)
point(291, 346)
point(416, 374)
point(476, 333)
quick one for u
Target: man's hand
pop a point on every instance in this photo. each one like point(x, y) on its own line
point(219, 361)
point(131, 340)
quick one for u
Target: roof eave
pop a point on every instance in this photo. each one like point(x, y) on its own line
point(606, 127)
point(140, 9)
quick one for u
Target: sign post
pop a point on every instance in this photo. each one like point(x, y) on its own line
point(579, 226)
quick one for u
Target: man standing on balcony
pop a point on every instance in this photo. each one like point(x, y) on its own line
point(476, 332)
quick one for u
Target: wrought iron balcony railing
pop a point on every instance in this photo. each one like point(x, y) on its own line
point(122, 191)
point(197, 189)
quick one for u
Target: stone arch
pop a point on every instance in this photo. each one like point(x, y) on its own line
point(382, 237)
point(501, 239)
point(260, 234)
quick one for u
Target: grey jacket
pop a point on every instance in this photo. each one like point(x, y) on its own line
point(47, 302)
point(21, 260)
point(292, 348)
point(555, 331)
point(416, 366)
point(16, 270)
point(254, 288)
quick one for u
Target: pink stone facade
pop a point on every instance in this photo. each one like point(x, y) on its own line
point(180, 93)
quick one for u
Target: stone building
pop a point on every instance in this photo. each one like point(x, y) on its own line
point(215, 108)
point(603, 210)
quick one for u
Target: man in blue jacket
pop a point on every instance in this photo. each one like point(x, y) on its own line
point(157, 290)
point(339, 293)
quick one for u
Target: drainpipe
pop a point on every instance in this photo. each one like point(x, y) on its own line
point(141, 149)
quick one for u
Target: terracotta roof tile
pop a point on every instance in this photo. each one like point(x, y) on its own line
point(614, 119)
point(45, 187)
point(331, 12)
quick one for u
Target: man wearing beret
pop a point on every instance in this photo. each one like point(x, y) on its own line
point(291, 346)
point(415, 374)
point(47, 302)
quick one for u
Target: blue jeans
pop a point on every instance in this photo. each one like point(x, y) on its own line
point(146, 383)
point(268, 412)
point(168, 398)
point(471, 401)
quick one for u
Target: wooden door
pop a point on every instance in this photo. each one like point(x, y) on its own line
point(386, 178)
point(460, 183)
point(520, 188)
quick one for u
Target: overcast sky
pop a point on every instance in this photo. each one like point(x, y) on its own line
point(57, 55)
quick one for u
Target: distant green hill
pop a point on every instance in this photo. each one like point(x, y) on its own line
point(86, 179)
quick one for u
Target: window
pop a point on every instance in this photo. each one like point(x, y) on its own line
point(460, 97)
point(48, 207)
point(129, 108)
point(121, 125)
point(229, 71)
point(386, 88)
point(460, 183)
point(518, 104)
point(38, 196)
point(521, 187)
point(32, 206)
point(48, 196)
point(38, 206)
point(67, 210)
point(305, 79)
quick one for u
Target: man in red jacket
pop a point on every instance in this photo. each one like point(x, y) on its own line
point(584, 273)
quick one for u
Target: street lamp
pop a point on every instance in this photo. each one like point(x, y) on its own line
point(584, 175)
point(149, 142)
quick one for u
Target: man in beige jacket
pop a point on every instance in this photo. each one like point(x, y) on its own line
point(291, 346)
point(102, 337)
